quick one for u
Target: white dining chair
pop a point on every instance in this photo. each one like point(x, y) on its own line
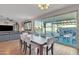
point(48, 48)
point(34, 47)
point(21, 40)
point(28, 45)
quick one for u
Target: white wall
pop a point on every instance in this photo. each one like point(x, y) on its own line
point(5, 23)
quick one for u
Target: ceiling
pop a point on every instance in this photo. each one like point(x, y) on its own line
point(26, 11)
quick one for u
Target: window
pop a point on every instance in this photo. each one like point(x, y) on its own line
point(64, 28)
point(37, 27)
point(48, 29)
point(27, 25)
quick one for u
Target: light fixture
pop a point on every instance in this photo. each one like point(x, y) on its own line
point(43, 6)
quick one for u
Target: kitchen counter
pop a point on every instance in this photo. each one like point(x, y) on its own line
point(9, 35)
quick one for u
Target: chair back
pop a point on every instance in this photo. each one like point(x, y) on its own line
point(49, 42)
point(28, 38)
point(21, 36)
point(25, 35)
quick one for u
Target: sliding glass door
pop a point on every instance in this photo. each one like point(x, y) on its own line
point(67, 28)
point(63, 28)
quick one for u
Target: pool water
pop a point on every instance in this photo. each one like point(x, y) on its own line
point(67, 41)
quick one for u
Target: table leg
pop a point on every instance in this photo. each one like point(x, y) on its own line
point(41, 50)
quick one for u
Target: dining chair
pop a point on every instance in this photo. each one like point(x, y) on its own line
point(27, 43)
point(33, 48)
point(49, 46)
point(21, 41)
point(24, 38)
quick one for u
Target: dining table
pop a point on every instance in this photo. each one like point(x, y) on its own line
point(38, 40)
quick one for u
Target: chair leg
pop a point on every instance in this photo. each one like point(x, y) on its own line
point(20, 44)
point(52, 49)
point(25, 47)
point(47, 50)
point(30, 49)
point(37, 51)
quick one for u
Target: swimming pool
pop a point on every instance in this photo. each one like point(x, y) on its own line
point(71, 41)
